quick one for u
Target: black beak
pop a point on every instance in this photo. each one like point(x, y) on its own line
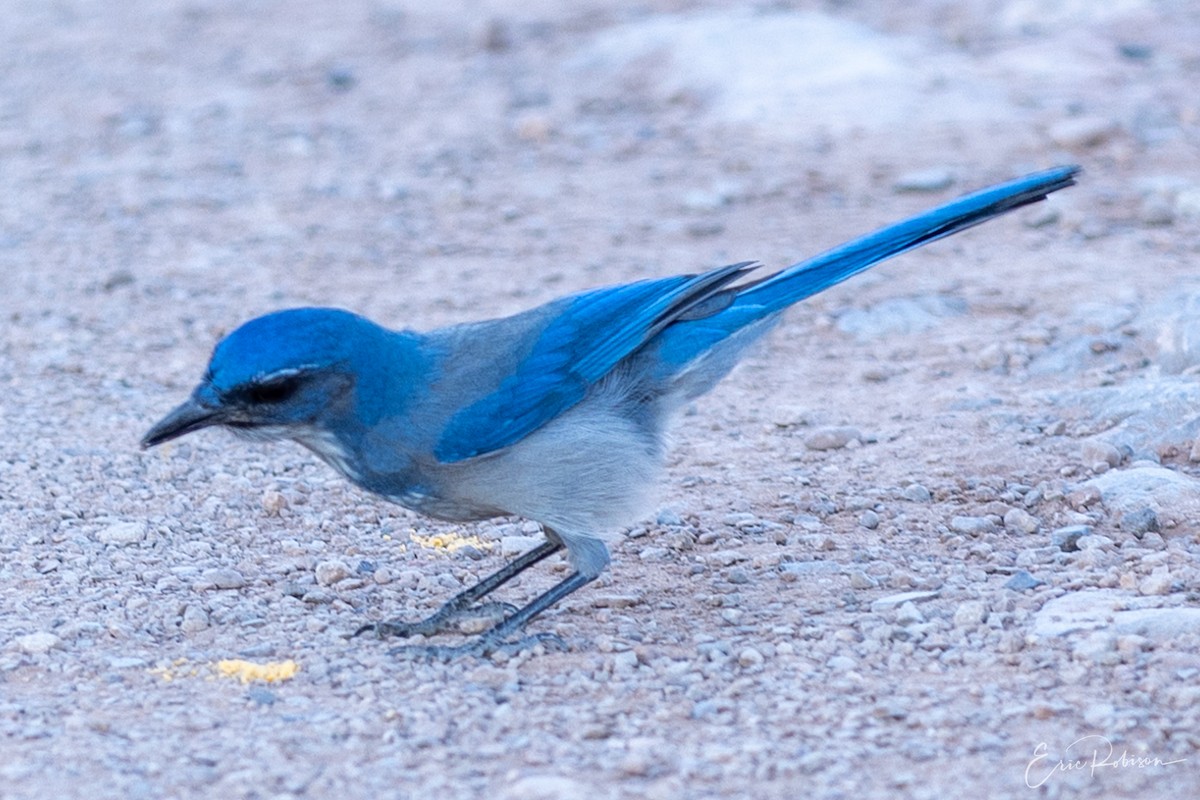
point(188, 417)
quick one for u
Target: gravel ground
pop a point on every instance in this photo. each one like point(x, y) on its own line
point(937, 538)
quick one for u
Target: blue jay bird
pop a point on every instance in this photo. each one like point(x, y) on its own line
point(556, 414)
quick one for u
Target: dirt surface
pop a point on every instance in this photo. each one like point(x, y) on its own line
point(1002, 423)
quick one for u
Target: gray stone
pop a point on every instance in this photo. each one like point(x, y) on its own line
point(1157, 582)
point(909, 614)
point(972, 526)
point(1098, 451)
point(933, 179)
point(1173, 496)
point(38, 643)
point(841, 663)
point(1099, 647)
point(916, 493)
point(330, 572)
point(223, 578)
point(1082, 132)
point(547, 787)
point(669, 517)
point(1022, 581)
point(1139, 522)
point(896, 600)
point(1021, 521)
point(1120, 612)
point(516, 545)
point(831, 437)
point(122, 533)
point(758, 78)
point(1173, 328)
point(1067, 539)
point(861, 580)
point(970, 613)
point(1152, 413)
point(749, 657)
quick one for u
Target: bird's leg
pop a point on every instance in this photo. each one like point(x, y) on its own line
point(496, 638)
point(462, 602)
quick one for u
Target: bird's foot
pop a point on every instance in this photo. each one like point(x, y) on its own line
point(483, 646)
point(447, 618)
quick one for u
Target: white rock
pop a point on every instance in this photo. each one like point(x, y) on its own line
point(547, 787)
point(1082, 132)
point(224, 578)
point(517, 545)
point(749, 71)
point(37, 643)
point(1172, 495)
point(330, 572)
point(831, 437)
point(1157, 582)
point(1019, 520)
point(970, 613)
point(894, 600)
point(749, 657)
point(122, 533)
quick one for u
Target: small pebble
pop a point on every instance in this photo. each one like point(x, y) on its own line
point(1098, 647)
point(1022, 581)
point(273, 503)
point(832, 437)
point(861, 580)
point(909, 614)
point(972, 526)
point(38, 643)
point(1158, 582)
point(224, 578)
point(737, 575)
point(1067, 539)
point(669, 517)
point(894, 600)
point(194, 619)
point(1082, 132)
point(841, 663)
point(749, 657)
point(517, 545)
point(330, 572)
point(1019, 520)
point(1094, 450)
point(925, 180)
point(1140, 522)
point(123, 533)
point(1157, 210)
point(970, 613)
point(917, 493)
point(869, 520)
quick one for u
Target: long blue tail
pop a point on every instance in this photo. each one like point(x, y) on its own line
point(805, 279)
point(738, 308)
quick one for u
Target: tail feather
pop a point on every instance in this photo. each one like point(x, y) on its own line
point(700, 346)
point(809, 277)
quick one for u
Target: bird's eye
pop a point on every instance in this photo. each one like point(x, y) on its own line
point(273, 391)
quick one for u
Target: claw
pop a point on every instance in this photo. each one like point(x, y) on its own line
point(481, 647)
point(440, 621)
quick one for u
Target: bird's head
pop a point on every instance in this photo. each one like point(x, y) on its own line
point(289, 374)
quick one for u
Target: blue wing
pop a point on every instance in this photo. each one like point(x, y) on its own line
point(576, 349)
point(684, 318)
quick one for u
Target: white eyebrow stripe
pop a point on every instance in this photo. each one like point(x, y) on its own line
point(281, 374)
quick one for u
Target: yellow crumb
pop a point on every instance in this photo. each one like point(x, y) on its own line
point(451, 542)
point(180, 668)
point(247, 671)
